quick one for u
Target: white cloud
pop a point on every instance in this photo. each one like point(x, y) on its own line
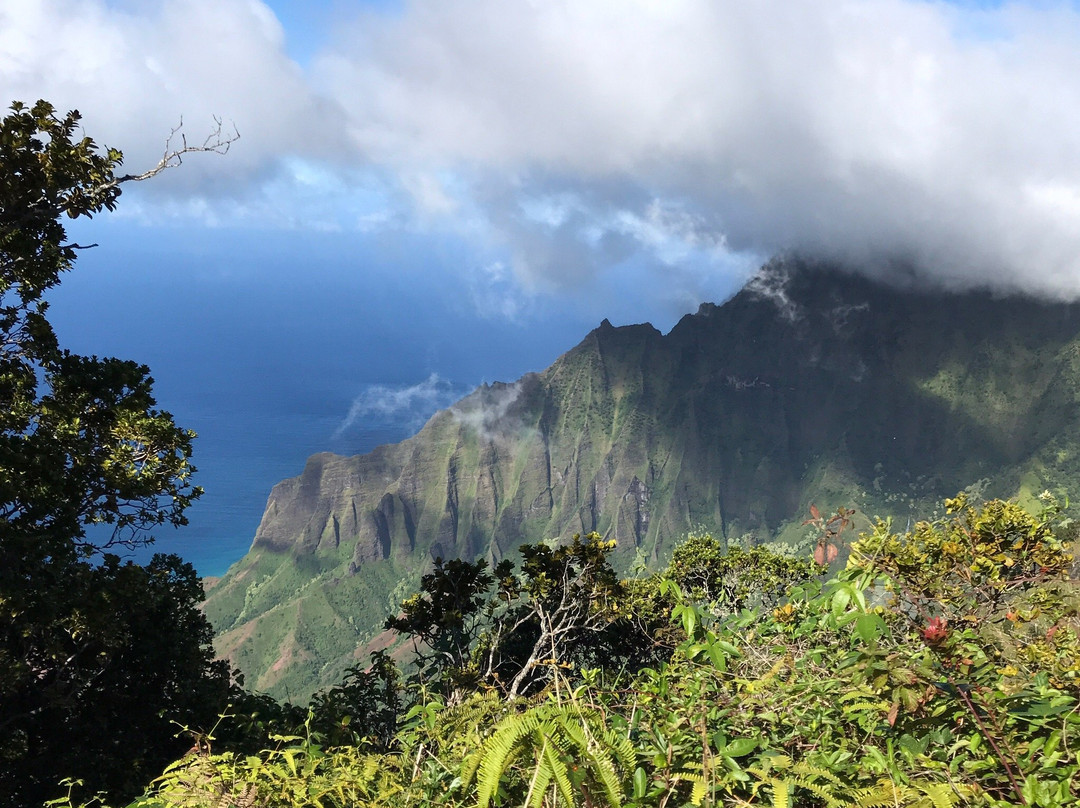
point(495, 295)
point(135, 68)
point(408, 405)
point(568, 138)
point(859, 129)
point(487, 411)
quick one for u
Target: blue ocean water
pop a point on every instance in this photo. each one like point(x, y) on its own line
point(282, 354)
point(273, 345)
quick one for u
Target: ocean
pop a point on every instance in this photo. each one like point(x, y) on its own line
point(274, 364)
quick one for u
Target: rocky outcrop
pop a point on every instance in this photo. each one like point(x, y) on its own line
point(814, 386)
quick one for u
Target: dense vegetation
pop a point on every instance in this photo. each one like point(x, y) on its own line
point(851, 392)
point(938, 667)
point(97, 657)
point(935, 666)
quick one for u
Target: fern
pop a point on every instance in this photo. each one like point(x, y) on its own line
point(498, 753)
point(547, 740)
point(941, 795)
point(884, 794)
point(618, 754)
point(806, 770)
point(821, 782)
point(781, 791)
point(887, 794)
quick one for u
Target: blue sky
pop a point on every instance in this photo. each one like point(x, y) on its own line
point(465, 188)
point(637, 154)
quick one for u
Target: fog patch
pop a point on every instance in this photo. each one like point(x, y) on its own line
point(408, 406)
point(492, 412)
point(771, 284)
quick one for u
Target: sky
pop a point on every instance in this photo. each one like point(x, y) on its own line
point(427, 194)
point(565, 145)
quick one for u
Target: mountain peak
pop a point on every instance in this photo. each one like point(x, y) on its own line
point(810, 385)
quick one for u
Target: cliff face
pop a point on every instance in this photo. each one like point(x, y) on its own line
point(809, 385)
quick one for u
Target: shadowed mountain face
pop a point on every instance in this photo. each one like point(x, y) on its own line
point(808, 386)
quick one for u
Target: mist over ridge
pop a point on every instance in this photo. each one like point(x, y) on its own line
point(811, 385)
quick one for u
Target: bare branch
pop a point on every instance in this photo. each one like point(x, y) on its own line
point(217, 142)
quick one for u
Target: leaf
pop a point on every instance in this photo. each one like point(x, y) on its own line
point(869, 627)
point(781, 790)
point(697, 793)
point(689, 621)
point(739, 747)
point(841, 600)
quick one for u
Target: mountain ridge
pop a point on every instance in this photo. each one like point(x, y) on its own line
point(808, 385)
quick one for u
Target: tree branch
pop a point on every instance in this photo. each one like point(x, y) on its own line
point(217, 142)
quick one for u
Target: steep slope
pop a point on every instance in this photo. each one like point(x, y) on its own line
point(809, 385)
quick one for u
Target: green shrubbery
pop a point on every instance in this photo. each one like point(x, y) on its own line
point(97, 657)
point(940, 667)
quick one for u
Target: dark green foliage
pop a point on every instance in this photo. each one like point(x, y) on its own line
point(446, 617)
point(473, 629)
point(97, 658)
point(364, 709)
point(80, 442)
point(252, 720)
point(895, 682)
point(735, 579)
point(114, 654)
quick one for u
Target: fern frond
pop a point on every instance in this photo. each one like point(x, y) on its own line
point(698, 784)
point(570, 729)
point(697, 794)
point(940, 794)
point(780, 762)
point(559, 772)
point(781, 790)
point(622, 748)
point(861, 692)
point(469, 766)
point(825, 794)
point(884, 795)
point(608, 775)
point(868, 706)
point(498, 753)
point(805, 769)
point(538, 787)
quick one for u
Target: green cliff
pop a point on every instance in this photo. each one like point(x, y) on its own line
point(810, 385)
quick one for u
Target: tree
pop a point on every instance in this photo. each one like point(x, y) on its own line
point(446, 617)
point(466, 636)
point(736, 579)
point(137, 657)
point(570, 593)
point(363, 709)
point(87, 464)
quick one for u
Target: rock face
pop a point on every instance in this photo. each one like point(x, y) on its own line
point(809, 385)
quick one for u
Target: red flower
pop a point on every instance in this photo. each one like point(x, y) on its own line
point(936, 630)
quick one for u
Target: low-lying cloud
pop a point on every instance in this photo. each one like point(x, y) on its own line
point(488, 412)
point(408, 406)
point(571, 138)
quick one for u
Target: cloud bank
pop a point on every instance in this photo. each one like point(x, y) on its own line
point(487, 412)
point(570, 138)
point(403, 405)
